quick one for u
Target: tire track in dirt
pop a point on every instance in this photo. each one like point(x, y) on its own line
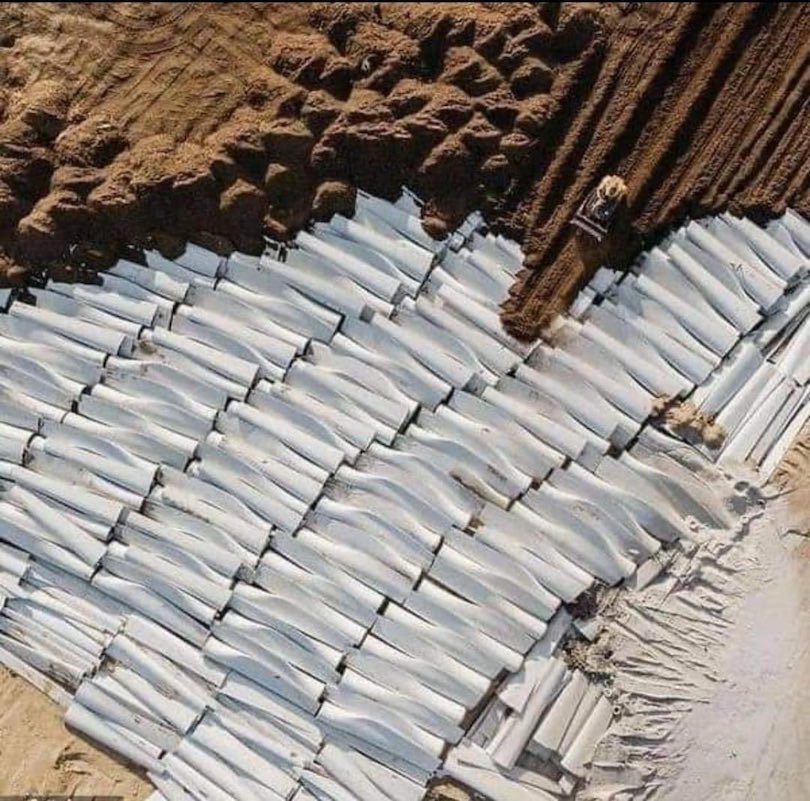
point(555, 266)
point(790, 164)
point(693, 103)
point(577, 95)
point(168, 16)
point(732, 160)
point(760, 88)
point(783, 131)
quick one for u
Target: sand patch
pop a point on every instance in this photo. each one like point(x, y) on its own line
point(38, 754)
point(711, 664)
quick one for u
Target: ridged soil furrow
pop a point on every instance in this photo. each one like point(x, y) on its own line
point(604, 131)
point(675, 163)
point(587, 92)
point(521, 290)
point(790, 108)
point(617, 123)
point(783, 167)
point(799, 188)
point(719, 132)
point(765, 68)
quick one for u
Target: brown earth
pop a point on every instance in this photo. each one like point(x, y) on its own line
point(134, 124)
point(700, 107)
point(688, 422)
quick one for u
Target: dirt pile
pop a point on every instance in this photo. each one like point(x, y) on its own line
point(153, 123)
point(121, 124)
point(688, 422)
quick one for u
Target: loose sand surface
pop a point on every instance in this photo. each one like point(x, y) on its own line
point(39, 755)
point(751, 740)
point(710, 664)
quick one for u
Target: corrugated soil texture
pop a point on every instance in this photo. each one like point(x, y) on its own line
point(700, 108)
point(147, 124)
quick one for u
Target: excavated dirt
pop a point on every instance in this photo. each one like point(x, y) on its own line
point(687, 422)
point(154, 123)
point(700, 107)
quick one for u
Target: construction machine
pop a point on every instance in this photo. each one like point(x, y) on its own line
point(599, 207)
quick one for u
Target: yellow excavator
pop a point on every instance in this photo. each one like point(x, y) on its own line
point(599, 207)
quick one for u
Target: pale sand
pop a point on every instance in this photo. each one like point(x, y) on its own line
point(711, 664)
point(793, 473)
point(38, 754)
point(750, 741)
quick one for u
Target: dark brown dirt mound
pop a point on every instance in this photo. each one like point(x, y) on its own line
point(155, 123)
point(700, 108)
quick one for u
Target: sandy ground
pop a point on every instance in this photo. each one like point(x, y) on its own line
point(751, 740)
point(39, 755)
point(709, 665)
point(146, 123)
